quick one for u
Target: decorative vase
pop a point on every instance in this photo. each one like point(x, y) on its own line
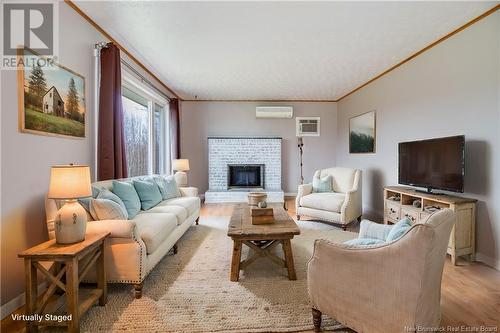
point(255, 197)
point(262, 204)
point(70, 223)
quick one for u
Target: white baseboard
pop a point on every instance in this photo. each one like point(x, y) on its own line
point(488, 261)
point(18, 301)
point(290, 194)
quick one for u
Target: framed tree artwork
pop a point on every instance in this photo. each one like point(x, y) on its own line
point(362, 133)
point(51, 98)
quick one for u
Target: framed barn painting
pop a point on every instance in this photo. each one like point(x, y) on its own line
point(362, 133)
point(51, 97)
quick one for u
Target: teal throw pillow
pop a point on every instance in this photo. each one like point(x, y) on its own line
point(148, 192)
point(364, 241)
point(106, 209)
point(324, 184)
point(168, 187)
point(398, 229)
point(127, 193)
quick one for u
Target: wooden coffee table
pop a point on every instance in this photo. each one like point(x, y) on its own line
point(261, 238)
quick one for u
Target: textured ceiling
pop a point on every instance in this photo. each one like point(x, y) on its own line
point(275, 50)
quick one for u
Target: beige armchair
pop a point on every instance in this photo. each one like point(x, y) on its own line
point(392, 287)
point(343, 205)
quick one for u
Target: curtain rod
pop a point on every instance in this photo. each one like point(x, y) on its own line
point(101, 45)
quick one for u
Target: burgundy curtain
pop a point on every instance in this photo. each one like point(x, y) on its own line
point(112, 162)
point(175, 129)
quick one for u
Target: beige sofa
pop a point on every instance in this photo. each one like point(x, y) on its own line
point(392, 287)
point(343, 205)
point(136, 246)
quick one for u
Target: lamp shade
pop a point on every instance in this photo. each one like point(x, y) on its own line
point(69, 182)
point(180, 165)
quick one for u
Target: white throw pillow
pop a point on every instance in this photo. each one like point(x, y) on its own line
point(105, 209)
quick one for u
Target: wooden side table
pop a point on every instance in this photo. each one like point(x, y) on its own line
point(66, 258)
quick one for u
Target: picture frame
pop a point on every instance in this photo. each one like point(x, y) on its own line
point(51, 101)
point(363, 133)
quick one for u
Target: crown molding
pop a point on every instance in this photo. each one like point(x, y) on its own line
point(428, 47)
point(262, 100)
point(121, 47)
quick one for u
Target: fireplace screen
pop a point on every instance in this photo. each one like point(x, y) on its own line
point(245, 176)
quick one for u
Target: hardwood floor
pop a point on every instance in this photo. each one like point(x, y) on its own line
point(470, 291)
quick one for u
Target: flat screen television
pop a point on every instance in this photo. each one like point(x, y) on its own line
point(433, 164)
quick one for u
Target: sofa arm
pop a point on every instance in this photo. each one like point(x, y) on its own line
point(189, 191)
point(304, 189)
point(117, 228)
point(351, 208)
point(369, 229)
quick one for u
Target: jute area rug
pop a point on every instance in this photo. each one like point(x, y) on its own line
point(191, 292)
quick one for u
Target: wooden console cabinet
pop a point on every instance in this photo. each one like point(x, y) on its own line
point(398, 203)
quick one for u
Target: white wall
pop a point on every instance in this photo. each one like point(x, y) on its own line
point(26, 158)
point(451, 89)
point(200, 120)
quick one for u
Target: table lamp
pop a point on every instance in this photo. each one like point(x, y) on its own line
point(181, 166)
point(70, 182)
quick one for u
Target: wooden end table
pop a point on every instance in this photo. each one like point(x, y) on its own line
point(66, 258)
point(261, 238)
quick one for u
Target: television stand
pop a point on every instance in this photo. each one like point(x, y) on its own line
point(399, 203)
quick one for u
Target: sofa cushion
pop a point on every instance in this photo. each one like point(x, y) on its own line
point(108, 195)
point(106, 209)
point(154, 228)
point(168, 187)
point(126, 192)
point(148, 192)
point(180, 212)
point(324, 201)
point(190, 203)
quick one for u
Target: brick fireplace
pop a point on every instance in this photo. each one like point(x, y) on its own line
point(238, 165)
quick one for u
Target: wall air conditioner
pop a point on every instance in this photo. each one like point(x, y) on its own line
point(308, 126)
point(274, 112)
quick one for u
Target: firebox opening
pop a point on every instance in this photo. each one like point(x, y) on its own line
point(245, 176)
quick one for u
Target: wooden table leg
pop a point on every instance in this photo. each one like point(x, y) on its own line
point(72, 294)
point(235, 262)
point(287, 249)
point(31, 293)
point(101, 277)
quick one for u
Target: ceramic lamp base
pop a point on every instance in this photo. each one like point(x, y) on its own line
point(71, 223)
point(181, 178)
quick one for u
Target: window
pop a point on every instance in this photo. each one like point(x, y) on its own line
point(145, 129)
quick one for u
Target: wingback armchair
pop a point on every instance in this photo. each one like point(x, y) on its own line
point(342, 205)
point(391, 287)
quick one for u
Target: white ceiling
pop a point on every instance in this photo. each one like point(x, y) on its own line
point(275, 50)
